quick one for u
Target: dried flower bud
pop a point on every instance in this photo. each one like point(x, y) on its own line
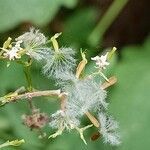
point(36, 120)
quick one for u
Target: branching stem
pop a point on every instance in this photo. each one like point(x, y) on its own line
point(36, 94)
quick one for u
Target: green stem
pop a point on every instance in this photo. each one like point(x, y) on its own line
point(28, 77)
point(27, 72)
point(102, 74)
point(29, 82)
point(105, 22)
point(99, 73)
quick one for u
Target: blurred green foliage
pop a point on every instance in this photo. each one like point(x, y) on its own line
point(129, 98)
point(78, 27)
point(14, 12)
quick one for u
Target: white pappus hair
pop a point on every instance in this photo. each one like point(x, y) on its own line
point(83, 96)
point(33, 42)
point(60, 120)
point(108, 129)
point(57, 62)
point(66, 79)
point(39, 54)
point(33, 38)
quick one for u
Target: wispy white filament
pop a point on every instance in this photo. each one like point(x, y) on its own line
point(60, 120)
point(33, 42)
point(108, 129)
point(33, 38)
point(83, 96)
point(57, 62)
point(39, 54)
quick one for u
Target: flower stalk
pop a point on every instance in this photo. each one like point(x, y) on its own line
point(27, 69)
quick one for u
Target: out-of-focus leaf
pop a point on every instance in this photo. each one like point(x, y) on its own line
point(39, 12)
point(129, 101)
point(11, 77)
point(78, 27)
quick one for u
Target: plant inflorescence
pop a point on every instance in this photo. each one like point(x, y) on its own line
point(79, 95)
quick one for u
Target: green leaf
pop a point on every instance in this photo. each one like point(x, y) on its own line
point(14, 12)
point(78, 27)
point(129, 100)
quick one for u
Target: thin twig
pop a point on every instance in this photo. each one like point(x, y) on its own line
point(30, 95)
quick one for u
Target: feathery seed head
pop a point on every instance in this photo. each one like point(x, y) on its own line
point(60, 61)
point(33, 42)
point(60, 120)
point(31, 39)
point(85, 95)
